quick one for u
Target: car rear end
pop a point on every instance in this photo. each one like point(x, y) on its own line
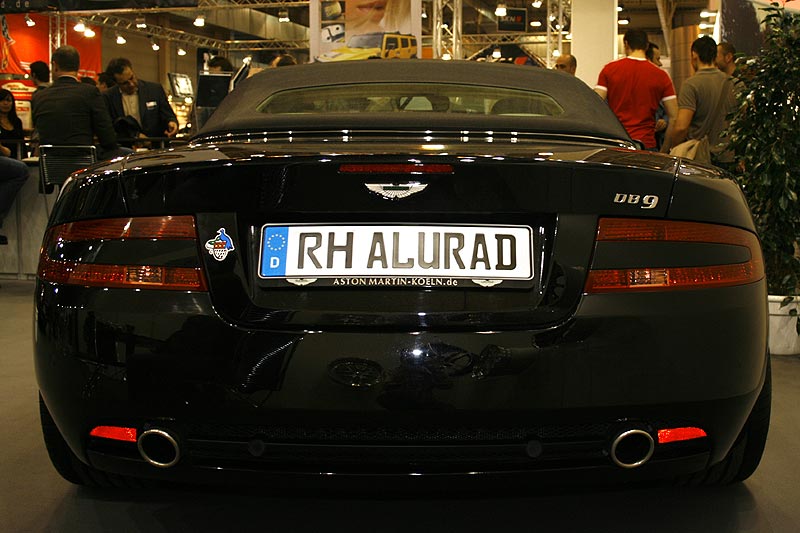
point(591, 310)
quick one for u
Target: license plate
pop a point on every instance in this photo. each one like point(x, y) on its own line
point(396, 252)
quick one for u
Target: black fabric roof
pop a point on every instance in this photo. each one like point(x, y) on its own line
point(585, 113)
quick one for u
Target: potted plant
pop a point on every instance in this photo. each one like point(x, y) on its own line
point(764, 134)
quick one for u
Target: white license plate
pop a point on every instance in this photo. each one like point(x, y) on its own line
point(386, 251)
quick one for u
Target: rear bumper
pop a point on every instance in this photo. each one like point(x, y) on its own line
point(247, 404)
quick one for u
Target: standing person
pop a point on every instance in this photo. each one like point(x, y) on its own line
point(105, 81)
point(653, 55)
point(634, 87)
point(705, 101)
point(40, 74)
point(144, 101)
point(12, 142)
point(283, 60)
point(726, 58)
point(71, 112)
point(219, 64)
point(567, 63)
point(13, 174)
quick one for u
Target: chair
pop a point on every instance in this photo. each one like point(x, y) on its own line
point(56, 163)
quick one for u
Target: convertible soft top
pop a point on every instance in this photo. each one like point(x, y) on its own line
point(578, 110)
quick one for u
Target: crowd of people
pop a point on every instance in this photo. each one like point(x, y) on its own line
point(119, 111)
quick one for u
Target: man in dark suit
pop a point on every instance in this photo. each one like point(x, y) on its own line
point(143, 100)
point(71, 112)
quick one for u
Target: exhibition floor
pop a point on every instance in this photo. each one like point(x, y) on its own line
point(34, 498)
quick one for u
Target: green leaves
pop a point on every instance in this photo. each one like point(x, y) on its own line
point(765, 136)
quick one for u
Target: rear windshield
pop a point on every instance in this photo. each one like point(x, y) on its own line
point(408, 97)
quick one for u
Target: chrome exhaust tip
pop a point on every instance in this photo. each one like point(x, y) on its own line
point(632, 448)
point(159, 448)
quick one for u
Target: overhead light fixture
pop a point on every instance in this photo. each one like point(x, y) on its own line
point(89, 33)
point(446, 56)
point(120, 39)
point(200, 20)
point(496, 53)
point(424, 13)
point(500, 10)
point(705, 26)
point(623, 21)
point(140, 23)
point(537, 4)
point(620, 7)
point(80, 27)
point(707, 14)
point(154, 45)
point(556, 53)
point(29, 21)
point(536, 23)
point(181, 51)
point(283, 15)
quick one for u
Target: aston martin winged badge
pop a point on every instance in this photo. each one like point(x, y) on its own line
point(396, 191)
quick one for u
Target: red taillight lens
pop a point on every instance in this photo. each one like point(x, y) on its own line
point(666, 436)
point(114, 433)
point(397, 168)
point(79, 272)
point(684, 277)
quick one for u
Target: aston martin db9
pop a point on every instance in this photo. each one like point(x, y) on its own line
point(403, 268)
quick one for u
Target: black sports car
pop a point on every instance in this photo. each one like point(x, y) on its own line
point(403, 268)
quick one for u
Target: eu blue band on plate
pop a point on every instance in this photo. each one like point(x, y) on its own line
point(273, 255)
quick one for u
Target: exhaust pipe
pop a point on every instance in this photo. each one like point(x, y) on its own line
point(632, 448)
point(159, 448)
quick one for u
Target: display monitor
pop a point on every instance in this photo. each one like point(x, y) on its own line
point(181, 85)
point(212, 88)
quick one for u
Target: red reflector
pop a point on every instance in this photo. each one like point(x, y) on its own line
point(688, 277)
point(678, 434)
point(114, 433)
point(397, 168)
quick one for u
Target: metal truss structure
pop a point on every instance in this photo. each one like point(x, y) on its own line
point(447, 37)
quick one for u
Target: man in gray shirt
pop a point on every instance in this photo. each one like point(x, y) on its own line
point(704, 102)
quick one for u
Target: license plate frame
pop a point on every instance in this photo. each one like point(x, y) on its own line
point(439, 255)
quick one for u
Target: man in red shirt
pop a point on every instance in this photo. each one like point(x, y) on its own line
point(634, 87)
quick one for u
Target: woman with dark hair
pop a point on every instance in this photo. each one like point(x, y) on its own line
point(11, 135)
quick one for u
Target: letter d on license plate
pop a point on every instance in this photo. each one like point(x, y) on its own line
point(446, 251)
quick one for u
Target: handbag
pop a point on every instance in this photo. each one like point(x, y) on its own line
point(695, 149)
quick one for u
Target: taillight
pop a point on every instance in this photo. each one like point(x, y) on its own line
point(657, 277)
point(57, 267)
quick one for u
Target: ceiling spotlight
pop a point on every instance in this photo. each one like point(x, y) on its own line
point(707, 14)
point(181, 51)
point(283, 15)
point(80, 27)
point(120, 39)
point(620, 7)
point(706, 26)
point(200, 21)
point(29, 21)
point(622, 21)
point(537, 4)
point(500, 10)
point(496, 53)
point(154, 45)
point(536, 23)
point(556, 53)
point(424, 13)
point(446, 56)
point(140, 23)
point(89, 33)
